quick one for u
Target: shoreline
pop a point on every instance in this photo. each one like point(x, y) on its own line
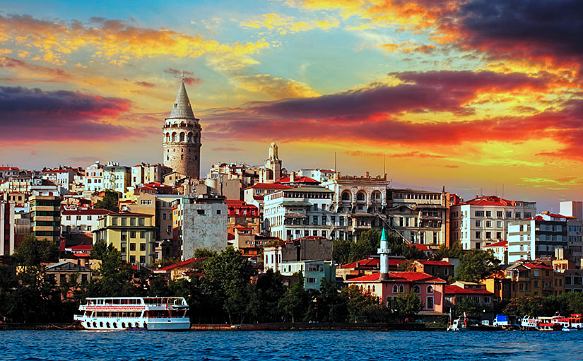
point(299, 326)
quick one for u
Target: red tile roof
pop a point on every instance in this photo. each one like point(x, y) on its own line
point(457, 290)
point(81, 247)
point(490, 201)
point(8, 168)
point(372, 263)
point(270, 186)
point(399, 277)
point(498, 244)
point(537, 266)
point(188, 262)
point(427, 262)
point(418, 246)
point(298, 179)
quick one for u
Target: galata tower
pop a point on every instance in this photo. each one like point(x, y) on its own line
point(181, 142)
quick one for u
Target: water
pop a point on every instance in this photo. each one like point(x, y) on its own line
point(283, 345)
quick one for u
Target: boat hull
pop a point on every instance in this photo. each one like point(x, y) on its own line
point(111, 324)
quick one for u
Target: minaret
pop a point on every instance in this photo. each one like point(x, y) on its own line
point(384, 252)
point(181, 137)
point(272, 170)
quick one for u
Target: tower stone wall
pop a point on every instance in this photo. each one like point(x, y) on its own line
point(181, 134)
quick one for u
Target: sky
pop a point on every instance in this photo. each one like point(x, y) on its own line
point(479, 96)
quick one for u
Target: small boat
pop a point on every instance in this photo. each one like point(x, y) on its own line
point(548, 326)
point(565, 329)
point(134, 313)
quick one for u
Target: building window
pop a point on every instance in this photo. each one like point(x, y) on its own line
point(132, 246)
point(478, 223)
point(479, 213)
point(200, 212)
point(142, 259)
point(430, 303)
point(142, 247)
point(478, 234)
point(416, 289)
point(132, 234)
point(218, 211)
point(429, 289)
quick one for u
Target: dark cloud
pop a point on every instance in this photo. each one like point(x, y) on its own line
point(34, 114)
point(526, 28)
point(427, 91)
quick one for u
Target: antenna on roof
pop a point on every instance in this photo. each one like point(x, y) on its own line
point(384, 164)
point(335, 169)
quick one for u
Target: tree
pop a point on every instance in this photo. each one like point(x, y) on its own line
point(226, 276)
point(115, 276)
point(109, 201)
point(341, 251)
point(204, 253)
point(454, 251)
point(476, 265)
point(268, 290)
point(31, 252)
point(332, 305)
point(363, 308)
point(406, 306)
point(294, 302)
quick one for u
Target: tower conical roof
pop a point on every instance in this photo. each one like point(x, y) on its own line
point(181, 108)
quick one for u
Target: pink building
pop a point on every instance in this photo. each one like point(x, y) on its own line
point(387, 285)
point(428, 288)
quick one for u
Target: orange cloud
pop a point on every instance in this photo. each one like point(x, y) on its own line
point(283, 24)
point(117, 42)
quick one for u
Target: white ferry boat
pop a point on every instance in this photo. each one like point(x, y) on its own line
point(122, 313)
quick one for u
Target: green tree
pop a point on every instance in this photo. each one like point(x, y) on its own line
point(363, 308)
point(204, 253)
point(294, 302)
point(406, 306)
point(332, 306)
point(109, 201)
point(454, 251)
point(114, 277)
point(341, 251)
point(32, 252)
point(226, 276)
point(476, 265)
point(269, 289)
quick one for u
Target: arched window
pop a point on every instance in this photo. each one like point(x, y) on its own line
point(376, 196)
point(429, 289)
point(401, 289)
point(182, 136)
point(368, 289)
point(395, 288)
point(373, 288)
point(416, 289)
point(182, 124)
point(361, 196)
point(174, 136)
point(167, 137)
point(346, 196)
point(189, 137)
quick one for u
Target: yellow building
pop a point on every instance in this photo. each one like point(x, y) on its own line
point(531, 278)
point(46, 217)
point(133, 234)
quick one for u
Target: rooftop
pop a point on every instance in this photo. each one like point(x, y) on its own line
point(399, 277)
point(457, 290)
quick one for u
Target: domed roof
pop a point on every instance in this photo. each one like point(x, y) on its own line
point(181, 108)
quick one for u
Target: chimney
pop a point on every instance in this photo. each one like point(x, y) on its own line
point(384, 251)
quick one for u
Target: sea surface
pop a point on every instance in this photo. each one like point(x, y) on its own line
point(285, 345)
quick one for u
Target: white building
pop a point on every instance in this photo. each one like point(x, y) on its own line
point(300, 212)
point(321, 175)
point(144, 173)
point(484, 220)
point(358, 201)
point(575, 229)
point(199, 222)
point(64, 178)
point(94, 178)
point(81, 220)
point(537, 237)
point(116, 177)
point(419, 216)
